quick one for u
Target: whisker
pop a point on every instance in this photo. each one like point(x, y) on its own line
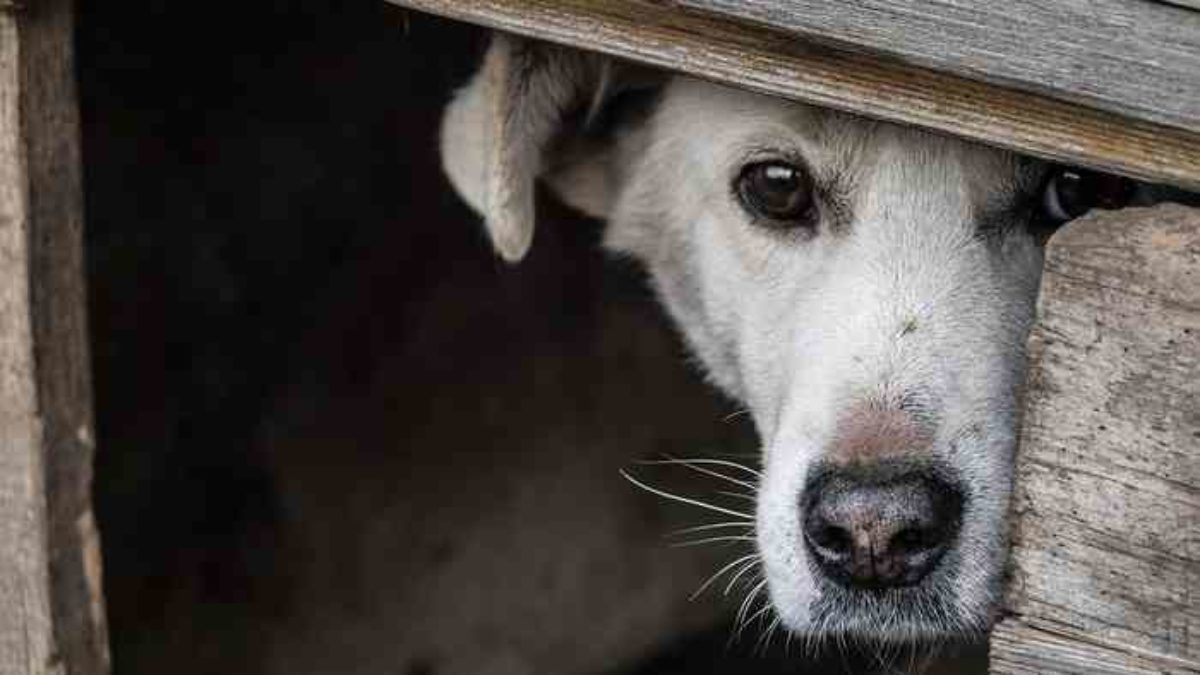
point(764, 641)
point(684, 500)
point(749, 566)
point(697, 464)
point(723, 570)
point(699, 469)
point(766, 605)
point(711, 540)
point(745, 607)
point(735, 414)
point(738, 495)
point(761, 610)
point(711, 526)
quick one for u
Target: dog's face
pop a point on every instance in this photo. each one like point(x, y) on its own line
point(865, 289)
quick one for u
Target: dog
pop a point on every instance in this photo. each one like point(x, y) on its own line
point(864, 289)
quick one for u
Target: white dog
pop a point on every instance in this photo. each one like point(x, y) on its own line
point(864, 288)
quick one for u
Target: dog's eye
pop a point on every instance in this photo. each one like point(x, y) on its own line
point(778, 192)
point(1070, 193)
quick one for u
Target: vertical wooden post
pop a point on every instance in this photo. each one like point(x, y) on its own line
point(1106, 541)
point(51, 602)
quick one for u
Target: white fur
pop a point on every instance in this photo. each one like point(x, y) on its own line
point(904, 298)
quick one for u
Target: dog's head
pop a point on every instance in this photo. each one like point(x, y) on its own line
point(864, 288)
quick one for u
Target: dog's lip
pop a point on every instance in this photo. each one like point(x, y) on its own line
point(929, 609)
point(892, 614)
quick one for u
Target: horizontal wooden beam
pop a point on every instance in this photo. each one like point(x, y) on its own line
point(781, 63)
point(1138, 58)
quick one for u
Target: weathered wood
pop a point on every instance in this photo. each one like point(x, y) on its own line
point(1137, 58)
point(25, 627)
point(1106, 539)
point(52, 616)
point(785, 64)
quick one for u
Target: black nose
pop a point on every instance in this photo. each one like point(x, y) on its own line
point(879, 532)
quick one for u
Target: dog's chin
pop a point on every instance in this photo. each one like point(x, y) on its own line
point(901, 615)
point(923, 613)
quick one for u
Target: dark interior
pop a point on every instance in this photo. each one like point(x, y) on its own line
point(328, 418)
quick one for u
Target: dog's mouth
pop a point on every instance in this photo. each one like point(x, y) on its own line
point(906, 614)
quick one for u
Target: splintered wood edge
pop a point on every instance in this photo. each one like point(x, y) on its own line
point(784, 65)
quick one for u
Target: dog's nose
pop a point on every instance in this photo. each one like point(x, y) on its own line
point(880, 533)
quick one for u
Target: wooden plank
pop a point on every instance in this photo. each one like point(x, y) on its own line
point(780, 64)
point(52, 619)
point(1137, 58)
point(1106, 538)
point(25, 627)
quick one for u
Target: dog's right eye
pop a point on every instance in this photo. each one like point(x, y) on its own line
point(777, 192)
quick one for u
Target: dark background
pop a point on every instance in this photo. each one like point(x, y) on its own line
point(304, 350)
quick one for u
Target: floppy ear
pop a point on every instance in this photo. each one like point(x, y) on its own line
point(499, 132)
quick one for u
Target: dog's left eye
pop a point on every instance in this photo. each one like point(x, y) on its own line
point(1070, 193)
point(777, 192)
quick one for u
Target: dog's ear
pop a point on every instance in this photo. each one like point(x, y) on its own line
point(532, 109)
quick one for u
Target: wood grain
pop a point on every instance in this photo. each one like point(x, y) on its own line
point(1133, 57)
point(1106, 541)
point(785, 64)
point(50, 582)
point(26, 641)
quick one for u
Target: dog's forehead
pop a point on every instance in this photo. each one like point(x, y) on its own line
point(718, 124)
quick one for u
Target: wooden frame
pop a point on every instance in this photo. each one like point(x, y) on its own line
point(1136, 58)
point(1111, 84)
point(50, 582)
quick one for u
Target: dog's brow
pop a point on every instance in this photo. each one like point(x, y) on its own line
point(995, 221)
point(833, 190)
point(1000, 214)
